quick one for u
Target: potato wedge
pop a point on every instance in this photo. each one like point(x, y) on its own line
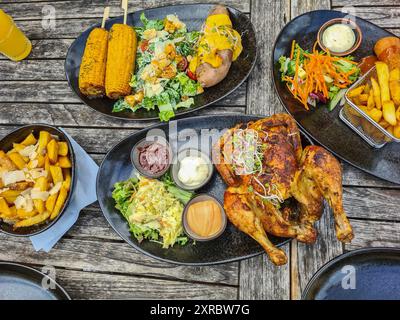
point(6, 163)
point(364, 98)
point(47, 167)
point(64, 162)
point(394, 85)
point(382, 70)
point(59, 203)
point(10, 195)
point(375, 114)
point(356, 92)
point(4, 208)
point(41, 184)
point(51, 202)
point(29, 140)
point(20, 186)
point(39, 218)
point(67, 179)
point(18, 160)
point(396, 131)
point(383, 123)
point(398, 113)
point(377, 93)
point(44, 139)
point(56, 174)
point(52, 151)
point(371, 100)
point(62, 148)
point(23, 214)
point(389, 112)
point(18, 147)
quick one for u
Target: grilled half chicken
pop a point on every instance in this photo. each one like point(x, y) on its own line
point(264, 165)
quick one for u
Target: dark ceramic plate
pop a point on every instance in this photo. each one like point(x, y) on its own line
point(233, 245)
point(18, 282)
point(7, 144)
point(324, 126)
point(365, 274)
point(194, 16)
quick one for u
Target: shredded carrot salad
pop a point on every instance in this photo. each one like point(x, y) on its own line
point(317, 66)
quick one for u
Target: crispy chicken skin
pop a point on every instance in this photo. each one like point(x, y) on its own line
point(287, 171)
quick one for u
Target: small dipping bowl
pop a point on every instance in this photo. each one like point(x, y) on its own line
point(348, 22)
point(189, 232)
point(176, 167)
point(135, 153)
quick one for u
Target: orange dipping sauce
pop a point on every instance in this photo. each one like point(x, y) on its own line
point(204, 218)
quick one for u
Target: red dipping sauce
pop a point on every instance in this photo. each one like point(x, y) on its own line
point(154, 158)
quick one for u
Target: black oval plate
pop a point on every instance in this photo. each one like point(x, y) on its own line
point(18, 282)
point(376, 274)
point(194, 16)
point(324, 126)
point(7, 144)
point(233, 245)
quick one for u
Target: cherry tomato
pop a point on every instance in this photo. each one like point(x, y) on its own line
point(191, 75)
point(183, 64)
point(144, 45)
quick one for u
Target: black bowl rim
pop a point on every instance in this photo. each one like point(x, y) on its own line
point(181, 112)
point(195, 264)
point(73, 178)
point(341, 257)
point(298, 123)
point(33, 270)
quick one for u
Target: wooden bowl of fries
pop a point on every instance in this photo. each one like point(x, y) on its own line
point(37, 176)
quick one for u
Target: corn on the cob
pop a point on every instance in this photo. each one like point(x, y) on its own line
point(120, 60)
point(93, 66)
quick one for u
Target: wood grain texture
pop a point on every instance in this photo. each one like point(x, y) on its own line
point(368, 3)
point(94, 8)
point(112, 257)
point(299, 7)
point(89, 285)
point(307, 259)
point(81, 115)
point(268, 18)
point(59, 92)
point(261, 280)
point(374, 234)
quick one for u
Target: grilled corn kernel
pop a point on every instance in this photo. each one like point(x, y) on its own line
point(93, 67)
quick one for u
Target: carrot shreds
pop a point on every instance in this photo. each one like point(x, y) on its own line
point(320, 68)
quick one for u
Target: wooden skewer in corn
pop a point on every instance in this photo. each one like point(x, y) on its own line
point(121, 58)
point(92, 71)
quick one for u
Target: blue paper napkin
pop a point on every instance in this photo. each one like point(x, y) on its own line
point(83, 194)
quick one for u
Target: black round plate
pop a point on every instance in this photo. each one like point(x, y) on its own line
point(324, 126)
point(7, 144)
point(194, 16)
point(375, 272)
point(18, 282)
point(233, 245)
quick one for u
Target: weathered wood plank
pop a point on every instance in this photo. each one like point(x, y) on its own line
point(307, 259)
point(385, 17)
point(368, 3)
point(372, 203)
point(48, 49)
point(374, 234)
point(261, 280)
point(89, 285)
point(59, 92)
point(268, 18)
point(32, 70)
point(111, 257)
point(299, 7)
point(81, 115)
point(94, 8)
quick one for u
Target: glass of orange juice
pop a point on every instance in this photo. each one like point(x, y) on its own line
point(13, 43)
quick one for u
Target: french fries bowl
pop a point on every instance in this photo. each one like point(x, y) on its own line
point(379, 114)
point(59, 162)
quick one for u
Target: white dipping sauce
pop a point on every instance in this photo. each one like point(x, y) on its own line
point(339, 38)
point(193, 171)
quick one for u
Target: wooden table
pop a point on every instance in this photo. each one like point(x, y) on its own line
point(91, 261)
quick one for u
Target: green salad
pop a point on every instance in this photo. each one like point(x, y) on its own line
point(161, 80)
point(153, 209)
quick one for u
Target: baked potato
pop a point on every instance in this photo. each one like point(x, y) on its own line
point(218, 47)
